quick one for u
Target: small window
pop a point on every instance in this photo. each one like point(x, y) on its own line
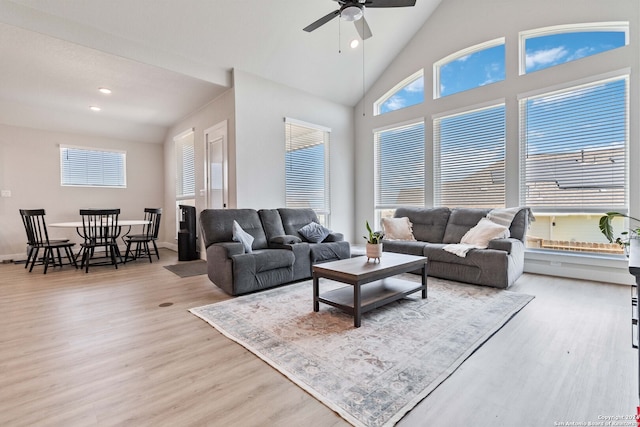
point(185, 166)
point(92, 167)
point(307, 167)
point(469, 68)
point(551, 46)
point(399, 162)
point(408, 92)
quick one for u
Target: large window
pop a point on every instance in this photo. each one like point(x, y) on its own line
point(574, 145)
point(399, 167)
point(408, 92)
point(546, 47)
point(469, 68)
point(92, 167)
point(307, 167)
point(469, 158)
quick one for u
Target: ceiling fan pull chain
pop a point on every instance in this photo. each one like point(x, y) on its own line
point(339, 37)
point(363, 81)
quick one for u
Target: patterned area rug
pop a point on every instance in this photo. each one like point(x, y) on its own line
point(375, 374)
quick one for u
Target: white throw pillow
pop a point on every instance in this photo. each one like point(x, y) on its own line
point(483, 232)
point(239, 235)
point(397, 228)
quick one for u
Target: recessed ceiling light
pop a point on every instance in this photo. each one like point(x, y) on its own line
point(104, 90)
point(94, 108)
point(354, 43)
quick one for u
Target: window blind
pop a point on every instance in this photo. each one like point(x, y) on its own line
point(307, 168)
point(574, 148)
point(399, 166)
point(92, 167)
point(186, 179)
point(469, 158)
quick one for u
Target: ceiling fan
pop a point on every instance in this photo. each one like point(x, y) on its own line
point(353, 10)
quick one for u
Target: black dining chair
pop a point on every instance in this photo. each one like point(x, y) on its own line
point(149, 235)
point(38, 238)
point(100, 230)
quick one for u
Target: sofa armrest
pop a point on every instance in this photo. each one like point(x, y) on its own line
point(334, 237)
point(507, 245)
point(230, 248)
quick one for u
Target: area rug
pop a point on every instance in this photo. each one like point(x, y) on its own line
point(375, 374)
point(188, 268)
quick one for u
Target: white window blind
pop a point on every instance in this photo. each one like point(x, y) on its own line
point(92, 167)
point(185, 179)
point(399, 166)
point(469, 158)
point(574, 148)
point(307, 167)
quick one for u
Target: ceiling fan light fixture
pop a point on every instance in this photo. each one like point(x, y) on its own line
point(351, 13)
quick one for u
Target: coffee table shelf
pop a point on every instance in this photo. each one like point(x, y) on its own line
point(371, 283)
point(373, 294)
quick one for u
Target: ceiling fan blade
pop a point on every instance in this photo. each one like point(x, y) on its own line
point(363, 28)
point(390, 3)
point(320, 22)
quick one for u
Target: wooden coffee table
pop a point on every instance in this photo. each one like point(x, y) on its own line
point(371, 283)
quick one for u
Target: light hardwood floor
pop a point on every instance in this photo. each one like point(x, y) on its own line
point(97, 349)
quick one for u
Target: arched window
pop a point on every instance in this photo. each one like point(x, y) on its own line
point(469, 68)
point(408, 92)
point(547, 47)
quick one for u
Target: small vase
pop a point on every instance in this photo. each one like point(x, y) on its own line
point(374, 251)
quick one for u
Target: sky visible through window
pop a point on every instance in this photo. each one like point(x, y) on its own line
point(548, 51)
point(488, 65)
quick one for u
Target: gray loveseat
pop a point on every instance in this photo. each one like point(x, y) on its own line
point(499, 265)
point(279, 253)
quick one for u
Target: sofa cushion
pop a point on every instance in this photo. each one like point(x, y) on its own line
point(397, 228)
point(285, 240)
point(239, 235)
point(460, 221)
point(329, 251)
point(483, 232)
point(408, 247)
point(217, 226)
point(428, 224)
point(314, 232)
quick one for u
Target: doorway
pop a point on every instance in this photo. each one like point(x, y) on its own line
point(216, 166)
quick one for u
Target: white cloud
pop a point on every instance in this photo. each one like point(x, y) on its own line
point(415, 86)
point(545, 57)
point(395, 103)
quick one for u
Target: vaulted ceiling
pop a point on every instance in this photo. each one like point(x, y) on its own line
point(165, 58)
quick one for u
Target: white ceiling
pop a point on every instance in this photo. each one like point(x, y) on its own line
point(165, 58)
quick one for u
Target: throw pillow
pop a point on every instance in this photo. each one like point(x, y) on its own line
point(484, 231)
point(239, 235)
point(314, 232)
point(397, 228)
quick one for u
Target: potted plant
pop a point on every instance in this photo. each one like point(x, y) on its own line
point(374, 243)
point(625, 236)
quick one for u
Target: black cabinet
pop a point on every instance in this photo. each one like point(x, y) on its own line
point(187, 238)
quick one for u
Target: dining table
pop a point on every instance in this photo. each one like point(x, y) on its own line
point(78, 226)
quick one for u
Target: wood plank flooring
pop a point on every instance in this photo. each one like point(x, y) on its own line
point(97, 349)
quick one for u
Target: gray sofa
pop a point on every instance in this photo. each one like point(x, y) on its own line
point(499, 265)
point(280, 254)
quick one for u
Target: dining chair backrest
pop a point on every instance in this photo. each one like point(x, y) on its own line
point(100, 225)
point(35, 226)
point(152, 215)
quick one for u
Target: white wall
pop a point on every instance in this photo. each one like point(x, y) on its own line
point(261, 106)
point(457, 24)
point(30, 169)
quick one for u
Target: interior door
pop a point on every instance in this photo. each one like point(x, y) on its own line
point(216, 169)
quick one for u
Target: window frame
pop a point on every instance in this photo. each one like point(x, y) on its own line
point(397, 88)
point(437, 145)
point(123, 171)
point(437, 65)
point(324, 213)
point(523, 36)
point(378, 207)
point(624, 74)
